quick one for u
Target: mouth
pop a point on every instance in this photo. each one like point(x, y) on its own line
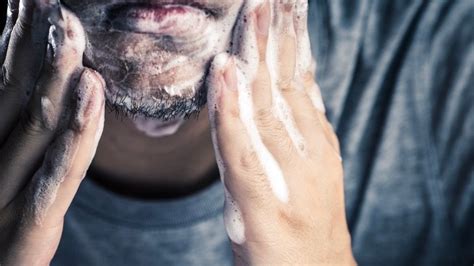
point(163, 18)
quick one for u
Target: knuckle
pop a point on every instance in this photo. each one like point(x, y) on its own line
point(266, 119)
point(8, 80)
point(22, 27)
point(270, 126)
point(286, 85)
point(294, 93)
point(251, 170)
point(248, 179)
point(33, 125)
point(249, 163)
point(308, 79)
point(292, 219)
point(230, 112)
point(11, 85)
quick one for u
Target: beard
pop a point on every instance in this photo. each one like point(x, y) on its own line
point(158, 104)
point(155, 68)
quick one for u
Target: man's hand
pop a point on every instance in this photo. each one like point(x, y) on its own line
point(278, 155)
point(51, 118)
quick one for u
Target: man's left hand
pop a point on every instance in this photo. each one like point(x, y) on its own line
point(277, 153)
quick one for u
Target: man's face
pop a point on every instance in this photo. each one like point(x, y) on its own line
point(154, 54)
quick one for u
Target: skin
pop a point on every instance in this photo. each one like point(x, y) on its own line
point(53, 141)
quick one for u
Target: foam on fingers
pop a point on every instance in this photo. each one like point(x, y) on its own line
point(66, 38)
point(233, 220)
point(245, 48)
point(60, 156)
point(87, 90)
point(304, 57)
point(46, 181)
point(305, 62)
point(270, 166)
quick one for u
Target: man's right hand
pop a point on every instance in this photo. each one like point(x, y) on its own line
point(51, 119)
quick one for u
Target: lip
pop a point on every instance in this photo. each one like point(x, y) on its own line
point(164, 18)
point(208, 6)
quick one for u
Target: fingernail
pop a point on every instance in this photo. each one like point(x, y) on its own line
point(263, 18)
point(87, 90)
point(230, 75)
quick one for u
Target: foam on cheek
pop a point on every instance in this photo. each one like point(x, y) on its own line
point(270, 166)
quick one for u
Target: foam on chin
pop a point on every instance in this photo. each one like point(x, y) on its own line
point(156, 75)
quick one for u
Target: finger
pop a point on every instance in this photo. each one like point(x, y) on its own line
point(306, 67)
point(28, 41)
point(330, 134)
point(306, 119)
point(216, 83)
point(23, 62)
point(272, 113)
point(251, 169)
point(12, 15)
point(304, 57)
point(245, 182)
point(252, 51)
point(53, 187)
point(257, 96)
point(263, 95)
point(27, 143)
point(245, 40)
point(283, 37)
point(295, 82)
point(305, 62)
point(273, 131)
point(314, 93)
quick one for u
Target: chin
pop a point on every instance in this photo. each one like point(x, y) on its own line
point(155, 55)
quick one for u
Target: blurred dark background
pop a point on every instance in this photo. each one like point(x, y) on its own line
point(3, 11)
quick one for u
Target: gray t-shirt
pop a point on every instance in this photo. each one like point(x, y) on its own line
point(397, 78)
